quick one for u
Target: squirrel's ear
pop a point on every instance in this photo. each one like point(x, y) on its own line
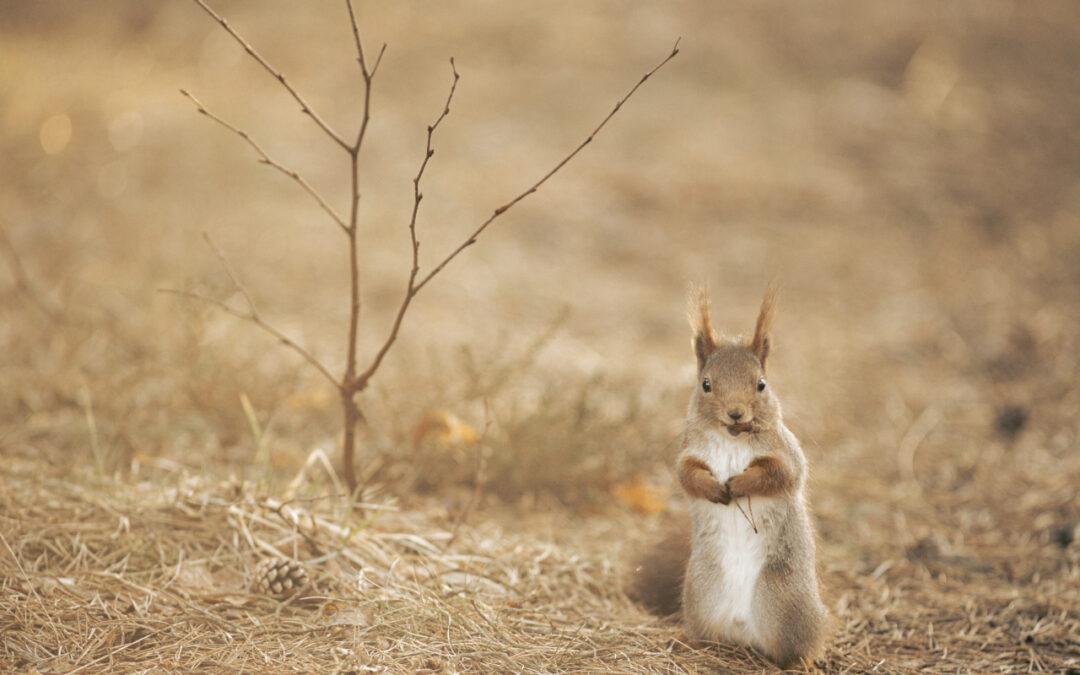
point(761, 344)
point(701, 323)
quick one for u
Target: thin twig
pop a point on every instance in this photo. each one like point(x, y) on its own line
point(284, 339)
point(749, 518)
point(536, 186)
point(360, 47)
point(264, 158)
point(252, 313)
point(414, 288)
point(417, 195)
point(304, 107)
point(411, 288)
point(368, 75)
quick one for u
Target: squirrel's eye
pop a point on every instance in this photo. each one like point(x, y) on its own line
point(706, 386)
point(761, 384)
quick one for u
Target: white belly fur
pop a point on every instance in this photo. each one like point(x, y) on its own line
point(728, 557)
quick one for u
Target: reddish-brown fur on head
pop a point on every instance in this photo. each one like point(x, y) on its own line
point(705, 340)
point(733, 370)
point(761, 343)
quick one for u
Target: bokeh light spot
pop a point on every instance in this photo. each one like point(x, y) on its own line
point(56, 134)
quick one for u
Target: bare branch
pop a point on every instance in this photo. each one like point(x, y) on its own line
point(378, 59)
point(258, 321)
point(270, 161)
point(536, 186)
point(252, 313)
point(414, 288)
point(428, 153)
point(368, 74)
point(348, 380)
point(356, 36)
point(304, 107)
point(411, 288)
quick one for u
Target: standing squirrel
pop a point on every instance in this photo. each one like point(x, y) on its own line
point(746, 570)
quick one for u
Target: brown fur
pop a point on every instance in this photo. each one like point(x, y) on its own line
point(698, 481)
point(761, 343)
point(698, 312)
point(766, 476)
point(665, 559)
point(788, 616)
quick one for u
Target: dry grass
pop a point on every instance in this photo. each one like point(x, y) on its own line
point(157, 577)
point(906, 171)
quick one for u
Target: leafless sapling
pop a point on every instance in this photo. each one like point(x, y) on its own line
point(355, 377)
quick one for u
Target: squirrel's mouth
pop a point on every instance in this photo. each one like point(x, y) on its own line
point(737, 428)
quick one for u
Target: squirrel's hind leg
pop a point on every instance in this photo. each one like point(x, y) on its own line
point(790, 618)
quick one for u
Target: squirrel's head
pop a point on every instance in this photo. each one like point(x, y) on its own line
point(732, 391)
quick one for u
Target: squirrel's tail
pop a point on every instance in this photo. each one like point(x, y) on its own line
point(656, 578)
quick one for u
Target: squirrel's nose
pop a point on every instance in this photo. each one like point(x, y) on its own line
point(735, 414)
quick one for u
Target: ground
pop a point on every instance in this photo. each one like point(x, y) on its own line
point(906, 173)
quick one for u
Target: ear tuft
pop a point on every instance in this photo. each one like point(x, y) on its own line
point(701, 323)
point(761, 344)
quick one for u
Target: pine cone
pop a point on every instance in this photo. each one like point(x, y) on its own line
point(279, 577)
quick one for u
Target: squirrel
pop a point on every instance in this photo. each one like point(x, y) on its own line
point(744, 571)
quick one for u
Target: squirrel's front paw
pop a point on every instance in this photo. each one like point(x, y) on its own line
point(736, 486)
point(722, 494)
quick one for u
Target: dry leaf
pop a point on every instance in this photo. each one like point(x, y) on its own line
point(640, 496)
point(312, 398)
point(445, 428)
point(285, 461)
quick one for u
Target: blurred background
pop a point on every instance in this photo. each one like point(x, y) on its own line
point(907, 172)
